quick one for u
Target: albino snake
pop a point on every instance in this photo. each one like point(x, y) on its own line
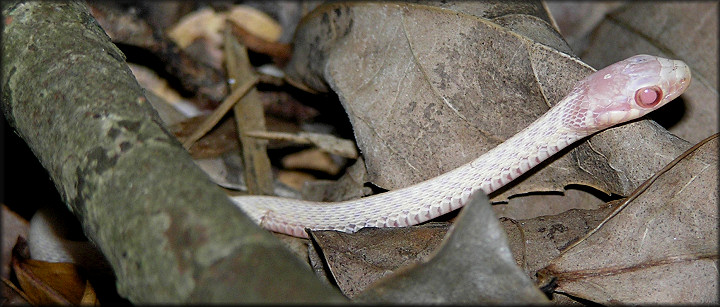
point(620, 92)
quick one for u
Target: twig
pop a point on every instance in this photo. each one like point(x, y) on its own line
point(219, 112)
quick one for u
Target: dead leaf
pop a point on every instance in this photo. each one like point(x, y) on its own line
point(294, 179)
point(473, 264)
point(311, 159)
point(359, 259)
point(220, 140)
point(433, 88)
point(50, 283)
point(577, 19)
point(11, 295)
point(536, 241)
point(682, 30)
point(255, 22)
point(171, 107)
point(13, 226)
point(203, 23)
point(350, 185)
point(660, 246)
point(528, 206)
point(356, 260)
point(226, 171)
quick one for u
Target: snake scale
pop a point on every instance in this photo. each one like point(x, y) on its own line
point(618, 93)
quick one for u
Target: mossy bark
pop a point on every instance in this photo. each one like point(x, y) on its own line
point(169, 233)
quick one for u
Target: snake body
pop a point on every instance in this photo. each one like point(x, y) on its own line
point(618, 93)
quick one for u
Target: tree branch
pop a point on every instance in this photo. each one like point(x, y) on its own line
point(169, 233)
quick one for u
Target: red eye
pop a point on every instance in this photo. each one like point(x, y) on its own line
point(648, 97)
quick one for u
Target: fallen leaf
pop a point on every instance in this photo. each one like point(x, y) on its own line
point(294, 179)
point(356, 260)
point(359, 259)
point(50, 283)
point(473, 264)
point(350, 185)
point(528, 206)
point(13, 226)
point(203, 23)
point(433, 88)
point(659, 246)
point(255, 22)
point(311, 159)
point(535, 242)
point(220, 140)
point(577, 19)
point(11, 295)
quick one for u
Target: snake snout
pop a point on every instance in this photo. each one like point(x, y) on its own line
point(682, 77)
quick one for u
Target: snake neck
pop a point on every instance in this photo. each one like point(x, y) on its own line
point(425, 200)
point(525, 150)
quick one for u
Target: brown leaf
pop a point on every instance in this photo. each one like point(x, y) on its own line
point(13, 226)
point(534, 242)
point(577, 19)
point(220, 140)
point(11, 295)
point(357, 260)
point(472, 265)
point(349, 186)
point(50, 283)
point(433, 88)
point(311, 159)
point(660, 246)
point(684, 30)
point(294, 179)
point(528, 206)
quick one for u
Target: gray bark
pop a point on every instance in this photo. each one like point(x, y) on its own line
point(169, 233)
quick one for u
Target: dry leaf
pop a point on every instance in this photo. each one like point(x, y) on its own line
point(661, 247)
point(221, 139)
point(472, 265)
point(311, 159)
point(227, 171)
point(203, 23)
point(13, 226)
point(683, 30)
point(534, 242)
point(294, 179)
point(11, 295)
point(528, 206)
point(350, 185)
point(433, 88)
point(577, 19)
point(255, 22)
point(357, 260)
point(50, 283)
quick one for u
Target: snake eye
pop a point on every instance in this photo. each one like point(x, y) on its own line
point(648, 97)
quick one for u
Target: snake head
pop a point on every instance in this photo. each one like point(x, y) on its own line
point(627, 90)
